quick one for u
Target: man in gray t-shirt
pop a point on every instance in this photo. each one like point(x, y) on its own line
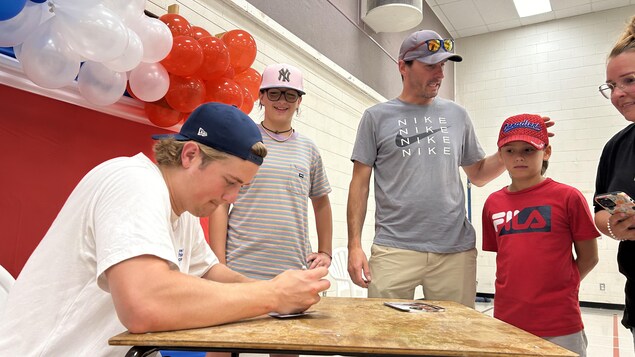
point(416, 143)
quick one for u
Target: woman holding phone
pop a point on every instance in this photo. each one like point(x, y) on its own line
point(616, 170)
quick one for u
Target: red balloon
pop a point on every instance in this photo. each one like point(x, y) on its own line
point(129, 91)
point(215, 58)
point(248, 102)
point(198, 32)
point(250, 79)
point(177, 24)
point(185, 58)
point(160, 113)
point(224, 90)
point(183, 117)
point(230, 73)
point(242, 49)
point(185, 93)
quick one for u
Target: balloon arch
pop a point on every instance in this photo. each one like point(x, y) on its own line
point(111, 46)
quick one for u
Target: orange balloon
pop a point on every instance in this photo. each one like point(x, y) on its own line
point(177, 24)
point(160, 113)
point(248, 102)
point(250, 79)
point(215, 58)
point(198, 32)
point(224, 90)
point(242, 49)
point(185, 57)
point(185, 93)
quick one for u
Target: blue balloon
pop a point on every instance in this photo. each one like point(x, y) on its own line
point(10, 8)
point(39, 1)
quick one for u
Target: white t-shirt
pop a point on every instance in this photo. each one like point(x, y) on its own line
point(60, 304)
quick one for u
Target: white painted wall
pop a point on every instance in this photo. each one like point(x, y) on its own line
point(554, 69)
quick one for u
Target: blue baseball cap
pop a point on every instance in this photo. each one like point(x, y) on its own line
point(222, 127)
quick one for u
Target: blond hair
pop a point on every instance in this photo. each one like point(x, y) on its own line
point(626, 42)
point(167, 152)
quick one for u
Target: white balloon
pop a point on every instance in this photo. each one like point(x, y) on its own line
point(47, 13)
point(131, 56)
point(128, 10)
point(15, 30)
point(46, 58)
point(149, 81)
point(95, 33)
point(77, 4)
point(100, 85)
point(17, 51)
point(155, 36)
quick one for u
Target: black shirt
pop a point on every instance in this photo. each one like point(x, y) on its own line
point(616, 172)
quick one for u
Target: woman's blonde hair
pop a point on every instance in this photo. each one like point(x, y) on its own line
point(626, 42)
point(167, 152)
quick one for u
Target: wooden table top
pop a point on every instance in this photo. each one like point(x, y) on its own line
point(360, 327)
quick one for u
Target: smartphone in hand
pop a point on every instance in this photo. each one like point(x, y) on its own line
point(616, 202)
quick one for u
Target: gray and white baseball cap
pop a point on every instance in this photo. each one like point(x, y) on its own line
point(428, 47)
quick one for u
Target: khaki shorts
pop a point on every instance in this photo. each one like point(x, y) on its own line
point(397, 272)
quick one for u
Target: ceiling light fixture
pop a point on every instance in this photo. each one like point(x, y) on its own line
point(532, 7)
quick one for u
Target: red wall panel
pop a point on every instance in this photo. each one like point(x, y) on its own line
point(46, 147)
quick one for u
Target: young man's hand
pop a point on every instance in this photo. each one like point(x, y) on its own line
point(297, 290)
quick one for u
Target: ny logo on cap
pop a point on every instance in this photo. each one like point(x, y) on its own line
point(283, 75)
point(201, 132)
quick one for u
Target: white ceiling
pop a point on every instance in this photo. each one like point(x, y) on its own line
point(464, 18)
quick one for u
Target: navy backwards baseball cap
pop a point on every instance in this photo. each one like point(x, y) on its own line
point(428, 47)
point(222, 127)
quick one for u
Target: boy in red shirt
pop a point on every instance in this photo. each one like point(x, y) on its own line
point(531, 224)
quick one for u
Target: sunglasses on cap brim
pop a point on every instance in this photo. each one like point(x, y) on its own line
point(434, 45)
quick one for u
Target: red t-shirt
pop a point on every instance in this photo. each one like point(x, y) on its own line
point(537, 280)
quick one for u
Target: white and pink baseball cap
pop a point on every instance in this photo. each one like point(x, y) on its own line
point(282, 75)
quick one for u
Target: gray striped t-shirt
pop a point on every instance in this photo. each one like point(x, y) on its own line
point(268, 226)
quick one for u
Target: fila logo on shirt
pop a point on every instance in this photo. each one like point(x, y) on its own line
point(528, 220)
